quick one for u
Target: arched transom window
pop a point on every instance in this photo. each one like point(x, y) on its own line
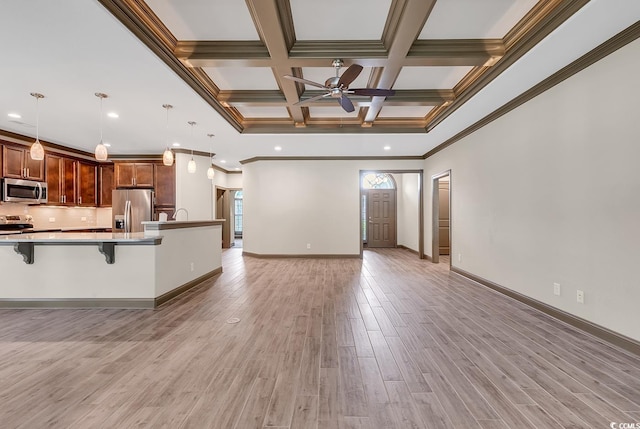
point(378, 181)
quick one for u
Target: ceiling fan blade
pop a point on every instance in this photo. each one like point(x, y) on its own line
point(373, 92)
point(308, 100)
point(346, 104)
point(349, 75)
point(305, 81)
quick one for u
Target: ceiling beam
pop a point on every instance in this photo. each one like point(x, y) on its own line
point(267, 16)
point(404, 24)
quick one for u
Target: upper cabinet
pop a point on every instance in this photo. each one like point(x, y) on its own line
point(165, 185)
point(106, 181)
point(61, 180)
point(17, 163)
point(134, 175)
point(87, 184)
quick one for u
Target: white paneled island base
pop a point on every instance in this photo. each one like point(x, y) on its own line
point(138, 270)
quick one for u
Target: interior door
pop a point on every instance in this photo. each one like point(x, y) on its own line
point(443, 216)
point(381, 207)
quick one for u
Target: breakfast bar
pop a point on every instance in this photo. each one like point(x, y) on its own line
point(99, 269)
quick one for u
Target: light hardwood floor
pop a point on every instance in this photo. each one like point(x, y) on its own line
point(389, 341)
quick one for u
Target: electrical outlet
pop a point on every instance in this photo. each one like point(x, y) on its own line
point(192, 266)
point(459, 257)
point(580, 296)
point(52, 219)
point(308, 245)
point(83, 219)
point(556, 289)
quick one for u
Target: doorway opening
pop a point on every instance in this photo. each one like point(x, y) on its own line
point(391, 210)
point(441, 217)
point(227, 204)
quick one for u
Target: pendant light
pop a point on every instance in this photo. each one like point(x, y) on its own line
point(37, 151)
point(210, 171)
point(101, 149)
point(167, 156)
point(191, 166)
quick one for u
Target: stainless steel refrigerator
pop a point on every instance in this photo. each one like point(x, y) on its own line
point(131, 207)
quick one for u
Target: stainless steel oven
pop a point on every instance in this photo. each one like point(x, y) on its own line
point(23, 191)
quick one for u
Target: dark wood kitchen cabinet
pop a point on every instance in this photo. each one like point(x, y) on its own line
point(134, 175)
point(87, 184)
point(17, 163)
point(165, 185)
point(61, 180)
point(106, 182)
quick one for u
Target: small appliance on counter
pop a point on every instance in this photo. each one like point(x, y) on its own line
point(23, 191)
point(130, 208)
point(15, 223)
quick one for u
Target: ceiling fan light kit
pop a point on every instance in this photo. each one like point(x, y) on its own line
point(338, 87)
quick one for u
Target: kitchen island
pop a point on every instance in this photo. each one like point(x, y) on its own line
point(89, 269)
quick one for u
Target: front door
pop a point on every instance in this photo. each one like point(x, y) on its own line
point(381, 208)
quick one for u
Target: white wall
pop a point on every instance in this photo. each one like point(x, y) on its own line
point(288, 204)
point(195, 192)
point(408, 209)
point(550, 193)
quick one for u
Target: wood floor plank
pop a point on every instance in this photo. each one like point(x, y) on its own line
point(387, 341)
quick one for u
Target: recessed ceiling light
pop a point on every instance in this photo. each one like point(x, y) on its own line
point(222, 161)
point(14, 115)
point(176, 144)
point(107, 144)
point(238, 168)
point(387, 148)
point(278, 148)
point(113, 115)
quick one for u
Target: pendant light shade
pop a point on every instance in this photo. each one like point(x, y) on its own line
point(191, 166)
point(101, 150)
point(37, 151)
point(167, 156)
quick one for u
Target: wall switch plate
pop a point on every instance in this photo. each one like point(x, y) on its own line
point(556, 289)
point(580, 296)
point(83, 219)
point(308, 245)
point(459, 257)
point(52, 219)
point(192, 266)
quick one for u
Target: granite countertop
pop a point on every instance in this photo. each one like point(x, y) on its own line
point(80, 238)
point(177, 224)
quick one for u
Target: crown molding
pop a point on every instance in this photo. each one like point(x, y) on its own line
point(330, 158)
point(621, 39)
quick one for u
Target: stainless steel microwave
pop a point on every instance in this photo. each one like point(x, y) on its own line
point(23, 191)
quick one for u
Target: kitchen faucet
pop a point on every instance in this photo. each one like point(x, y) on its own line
point(176, 213)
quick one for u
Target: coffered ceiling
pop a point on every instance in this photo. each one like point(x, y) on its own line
point(221, 63)
point(434, 54)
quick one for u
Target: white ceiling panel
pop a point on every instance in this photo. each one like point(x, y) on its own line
point(474, 19)
point(430, 77)
point(238, 78)
point(339, 19)
point(321, 74)
point(206, 19)
point(405, 111)
point(263, 111)
point(329, 111)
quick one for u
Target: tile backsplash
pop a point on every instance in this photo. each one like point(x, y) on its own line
point(61, 217)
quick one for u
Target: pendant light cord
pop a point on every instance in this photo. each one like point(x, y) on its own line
point(101, 98)
point(37, 118)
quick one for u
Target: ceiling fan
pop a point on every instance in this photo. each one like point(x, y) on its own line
point(338, 87)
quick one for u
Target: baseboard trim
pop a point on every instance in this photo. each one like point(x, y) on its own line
point(43, 303)
point(310, 256)
point(598, 331)
point(401, 246)
point(185, 287)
